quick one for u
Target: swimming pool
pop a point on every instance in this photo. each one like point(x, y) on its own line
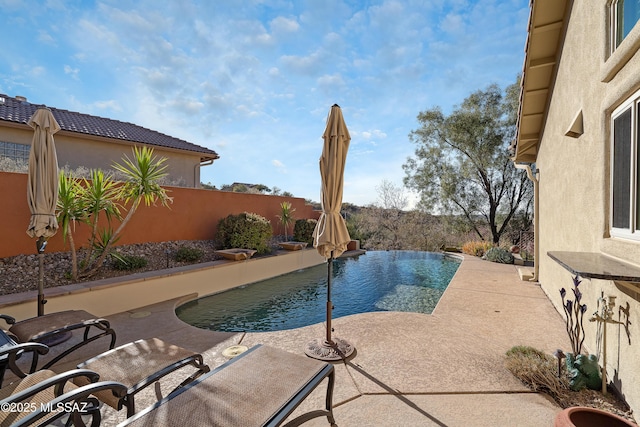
point(378, 281)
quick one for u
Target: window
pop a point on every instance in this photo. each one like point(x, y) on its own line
point(624, 15)
point(625, 176)
point(16, 152)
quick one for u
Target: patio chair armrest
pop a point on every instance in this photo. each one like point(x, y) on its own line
point(58, 382)
point(77, 403)
point(14, 352)
point(26, 346)
point(8, 319)
point(102, 324)
point(195, 360)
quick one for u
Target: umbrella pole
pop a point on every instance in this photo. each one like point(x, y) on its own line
point(41, 243)
point(328, 348)
point(329, 303)
point(41, 285)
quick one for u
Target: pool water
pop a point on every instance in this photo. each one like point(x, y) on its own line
point(377, 281)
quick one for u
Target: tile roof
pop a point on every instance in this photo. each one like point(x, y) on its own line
point(18, 110)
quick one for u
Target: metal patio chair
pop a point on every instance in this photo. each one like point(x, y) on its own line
point(48, 331)
point(260, 387)
point(44, 396)
point(140, 364)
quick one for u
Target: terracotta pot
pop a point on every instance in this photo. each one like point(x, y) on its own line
point(582, 416)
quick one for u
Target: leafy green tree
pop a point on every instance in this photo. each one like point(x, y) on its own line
point(208, 186)
point(462, 167)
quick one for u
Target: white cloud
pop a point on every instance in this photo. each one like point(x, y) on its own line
point(38, 71)
point(309, 64)
point(46, 38)
point(453, 23)
point(284, 25)
point(331, 82)
point(279, 166)
point(373, 134)
point(108, 105)
point(73, 72)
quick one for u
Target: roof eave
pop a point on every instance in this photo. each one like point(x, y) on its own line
point(546, 31)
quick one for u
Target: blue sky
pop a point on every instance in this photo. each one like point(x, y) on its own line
point(255, 79)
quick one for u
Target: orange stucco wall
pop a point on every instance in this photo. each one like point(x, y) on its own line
point(193, 215)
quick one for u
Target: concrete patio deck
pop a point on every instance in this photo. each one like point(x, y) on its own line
point(410, 369)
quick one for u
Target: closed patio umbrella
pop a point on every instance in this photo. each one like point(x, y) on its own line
point(330, 236)
point(42, 188)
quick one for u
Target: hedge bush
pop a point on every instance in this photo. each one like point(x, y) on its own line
point(245, 230)
point(476, 247)
point(499, 255)
point(128, 262)
point(303, 230)
point(188, 254)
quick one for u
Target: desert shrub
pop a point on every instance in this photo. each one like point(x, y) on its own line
point(128, 262)
point(245, 230)
point(499, 255)
point(188, 254)
point(303, 230)
point(537, 370)
point(476, 247)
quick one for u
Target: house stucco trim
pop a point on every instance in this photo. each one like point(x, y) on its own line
point(623, 53)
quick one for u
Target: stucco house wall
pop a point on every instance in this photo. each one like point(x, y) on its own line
point(78, 150)
point(574, 181)
point(96, 142)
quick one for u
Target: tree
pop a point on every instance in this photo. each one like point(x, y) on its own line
point(462, 167)
point(389, 212)
point(70, 209)
point(208, 186)
point(286, 216)
point(86, 200)
point(142, 175)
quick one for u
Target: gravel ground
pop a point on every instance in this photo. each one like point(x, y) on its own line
point(20, 273)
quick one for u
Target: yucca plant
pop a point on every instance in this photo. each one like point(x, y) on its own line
point(142, 176)
point(70, 209)
point(99, 195)
point(286, 216)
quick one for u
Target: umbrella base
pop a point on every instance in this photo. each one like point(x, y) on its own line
point(321, 349)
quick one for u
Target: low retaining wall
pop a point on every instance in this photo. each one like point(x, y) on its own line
point(105, 297)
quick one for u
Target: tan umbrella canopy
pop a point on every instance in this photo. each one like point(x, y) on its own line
point(42, 187)
point(330, 237)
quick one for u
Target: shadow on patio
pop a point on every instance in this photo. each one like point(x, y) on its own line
point(444, 369)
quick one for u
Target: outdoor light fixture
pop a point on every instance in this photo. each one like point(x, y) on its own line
point(41, 243)
point(577, 127)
